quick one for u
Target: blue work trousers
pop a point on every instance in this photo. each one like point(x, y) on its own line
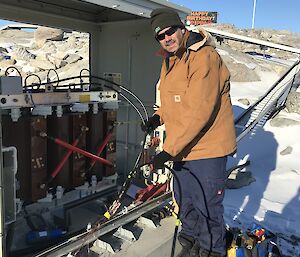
point(202, 185)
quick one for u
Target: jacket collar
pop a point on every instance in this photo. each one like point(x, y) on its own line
point(199, 38)
point(193, 40)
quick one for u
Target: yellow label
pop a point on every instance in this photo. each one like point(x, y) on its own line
point(107, 215)
point(84, 98)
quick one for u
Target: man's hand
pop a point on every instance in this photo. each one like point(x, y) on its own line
point(151, 124)
point(159, 160)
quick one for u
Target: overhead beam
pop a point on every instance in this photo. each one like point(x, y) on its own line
point(25, 14)
point(141, 8)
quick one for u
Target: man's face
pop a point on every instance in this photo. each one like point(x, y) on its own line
point(170, 38)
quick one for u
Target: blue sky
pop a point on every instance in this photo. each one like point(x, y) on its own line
point(271, 14)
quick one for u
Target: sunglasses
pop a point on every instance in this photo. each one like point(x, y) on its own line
point(168, 32)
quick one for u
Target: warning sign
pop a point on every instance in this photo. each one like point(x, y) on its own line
point(200, 18)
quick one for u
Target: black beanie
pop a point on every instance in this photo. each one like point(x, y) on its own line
point(162, 18)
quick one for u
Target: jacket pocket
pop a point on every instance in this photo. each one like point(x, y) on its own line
point(175, 96)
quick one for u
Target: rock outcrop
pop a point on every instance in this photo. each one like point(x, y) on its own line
point(42, 34)
point(293, 102)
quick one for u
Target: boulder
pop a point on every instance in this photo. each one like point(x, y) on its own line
point(57, 62)
point(49, 47)
point(27, 69)
point(244, 101)
point(287, 151)
point(42, 56)
point(293, 102)
point(42, 65)
point(282, 122)
point(7, 62)
point(72, 58)
point(42, 34)
point(3, 50)
point(20, 52)
point(60, 55)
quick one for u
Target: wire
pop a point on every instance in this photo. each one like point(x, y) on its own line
point(76, 77)
point(179, 210)
point(179, 206)
point(137, 110)
point(126, 98)
point(80, 76)
point(116, 204)
point(48, 78)
point(141, 103)
point(106, 80)
point(30, 75)
point(12, 67)
point(126, 90)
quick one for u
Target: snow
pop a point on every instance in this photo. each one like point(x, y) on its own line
point(273, 200)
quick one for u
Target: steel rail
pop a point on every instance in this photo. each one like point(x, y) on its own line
point(259, 112)
point(245, 39)
point(268, 92)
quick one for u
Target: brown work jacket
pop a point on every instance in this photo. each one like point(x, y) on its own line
point(195, 101)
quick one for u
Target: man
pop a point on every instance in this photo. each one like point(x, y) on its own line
point(197, 113)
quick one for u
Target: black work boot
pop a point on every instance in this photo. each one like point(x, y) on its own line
point(187, 243)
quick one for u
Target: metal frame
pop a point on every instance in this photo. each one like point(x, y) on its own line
point(56, 98)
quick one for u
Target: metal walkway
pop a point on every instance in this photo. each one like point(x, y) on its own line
point(268, 104)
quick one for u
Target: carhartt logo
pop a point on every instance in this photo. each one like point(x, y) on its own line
point(177, 98)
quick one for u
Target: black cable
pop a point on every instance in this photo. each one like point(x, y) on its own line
point(32, 85)
point(113, 89)
point(177, 224)
point(57, 81)
point(95, 83)
point(48, 78)
point(83, 70)
point(80, 76)
point(179, 209)
point(76, 77)
point(133, 172)
point(12, 67)
point(125, 89)
point(107, 216)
